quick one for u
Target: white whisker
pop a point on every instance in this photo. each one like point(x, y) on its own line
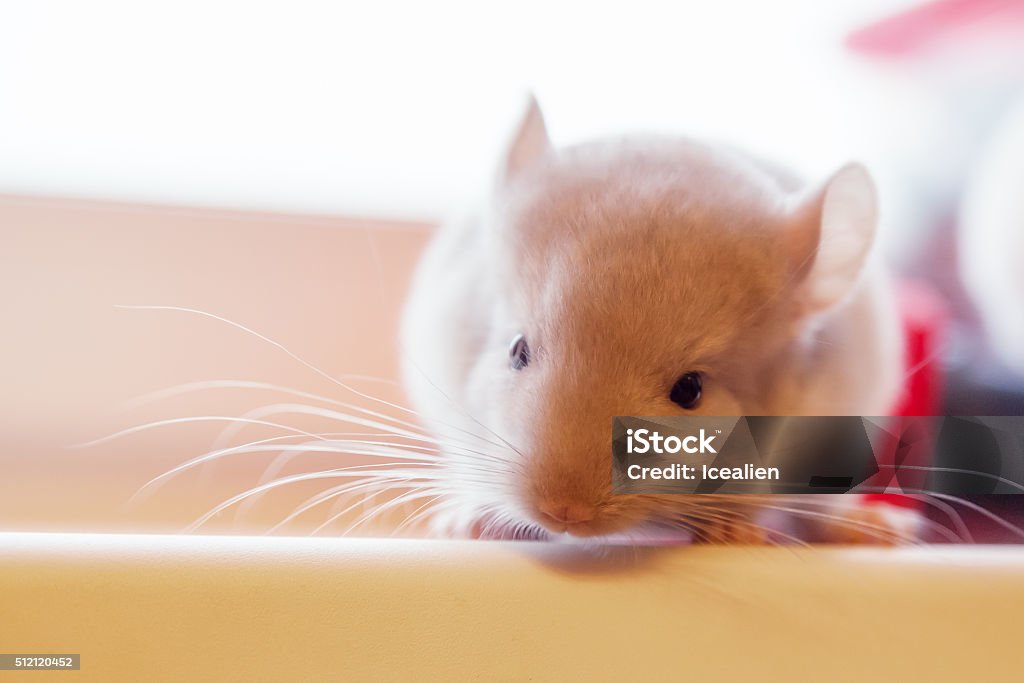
point(276, 344)
point(188, 420)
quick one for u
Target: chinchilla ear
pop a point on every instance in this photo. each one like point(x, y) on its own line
point(830, 235)
point(529, 144)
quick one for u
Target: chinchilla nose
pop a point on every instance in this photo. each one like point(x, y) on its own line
point(567, 513)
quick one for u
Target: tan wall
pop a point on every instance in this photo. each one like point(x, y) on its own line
point(329, 289)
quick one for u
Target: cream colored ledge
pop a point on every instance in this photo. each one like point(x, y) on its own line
point(272, 609)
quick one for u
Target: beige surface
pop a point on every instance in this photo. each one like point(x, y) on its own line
point(233, 608)
point(327, 288)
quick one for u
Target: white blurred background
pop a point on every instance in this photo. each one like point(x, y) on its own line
point(398, 108)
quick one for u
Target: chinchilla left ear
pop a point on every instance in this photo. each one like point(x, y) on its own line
point(529, 144)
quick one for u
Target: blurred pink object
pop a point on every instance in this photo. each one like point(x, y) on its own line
point(919, 29)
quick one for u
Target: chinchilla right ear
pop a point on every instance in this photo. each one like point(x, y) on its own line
point(830, 235)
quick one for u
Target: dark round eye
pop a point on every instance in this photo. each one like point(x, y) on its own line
point(519, 353)
point(686, 390)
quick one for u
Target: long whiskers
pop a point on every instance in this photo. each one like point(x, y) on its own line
point(420, 471)
point(297, 358)
point(276, 344)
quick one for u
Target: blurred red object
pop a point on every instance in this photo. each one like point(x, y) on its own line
point(924, 325)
